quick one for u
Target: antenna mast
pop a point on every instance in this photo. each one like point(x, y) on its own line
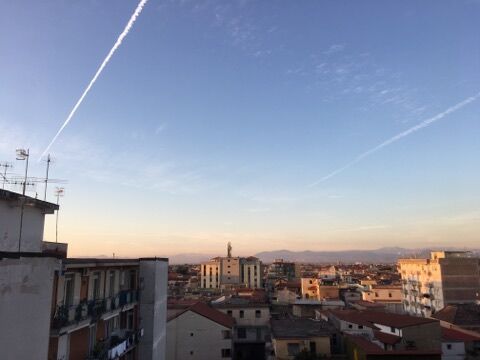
point(49, 160)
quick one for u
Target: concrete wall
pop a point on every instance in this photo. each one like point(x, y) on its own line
point(192, 336)
point(230, 270)
point(281, 346)
point(153, 308)
point(208, 281)
point(253, 281)
point(249, 315)
point(26, 287)
point(453, 351)
point(32, 229)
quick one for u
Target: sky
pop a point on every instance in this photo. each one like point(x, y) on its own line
point(221, 121)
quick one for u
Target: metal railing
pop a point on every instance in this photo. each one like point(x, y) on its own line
point(116, 345)
point(69, 314)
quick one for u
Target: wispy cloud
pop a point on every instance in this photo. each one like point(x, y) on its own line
point(104, 63)
point(335, 48)
point(413, 129)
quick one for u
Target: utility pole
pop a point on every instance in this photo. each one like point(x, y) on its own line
point(49, 160)
point(22, 154)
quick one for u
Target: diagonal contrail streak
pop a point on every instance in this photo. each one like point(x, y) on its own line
point(117, 44)
point(421, 125)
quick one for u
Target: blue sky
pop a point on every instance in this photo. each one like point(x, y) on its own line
point(213, 119)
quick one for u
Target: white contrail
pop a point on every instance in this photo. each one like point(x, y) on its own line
point(399, 136)
point(117, 44)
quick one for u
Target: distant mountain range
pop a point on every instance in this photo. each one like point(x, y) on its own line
point(382, 255)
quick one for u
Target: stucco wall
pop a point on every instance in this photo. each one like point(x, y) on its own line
point(192, 336)
point(153, 309)
point(281, 346)
point(32, 229)
point(25, 307)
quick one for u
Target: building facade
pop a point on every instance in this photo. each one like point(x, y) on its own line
point(199, 332)
point(230, 272)
point(448, 277)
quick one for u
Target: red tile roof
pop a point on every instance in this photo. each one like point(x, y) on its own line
point(458, 336)
point(370, 348)
point(382, 318)
point(386, 338)
point(210, 313)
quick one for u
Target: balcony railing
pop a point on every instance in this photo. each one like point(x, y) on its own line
point(70, 314)
point(116, 345)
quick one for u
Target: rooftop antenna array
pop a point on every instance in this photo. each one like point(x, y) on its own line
point(26, 182)
point(5, 165)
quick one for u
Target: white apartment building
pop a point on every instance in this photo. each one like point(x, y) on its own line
point(448, 277)
point(222, 272)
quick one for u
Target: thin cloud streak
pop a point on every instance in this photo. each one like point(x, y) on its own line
point(397, 137)
point(117, 44)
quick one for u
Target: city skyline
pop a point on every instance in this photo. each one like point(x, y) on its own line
point(271, 126)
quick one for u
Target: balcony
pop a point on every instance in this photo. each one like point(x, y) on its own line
point(66, 315)
point(116, 345)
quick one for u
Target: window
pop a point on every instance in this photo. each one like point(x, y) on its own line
point(191, 334)
point(258, 314)
point(229, 312)
point(226, 334)
point(242, 314)
point(226, 353)
point(389, 295)
point(360, 326)
point(241, 333)
point(313, 347)
point(191, 352)
point(376, 294)
point(449, 346)
point(204, 270)
point(111, 283)
point(69, 289)
point(293, 349)
point(96, 286)
point(350, 326)
point(392, 329)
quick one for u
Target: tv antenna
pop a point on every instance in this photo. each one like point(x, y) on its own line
point(5, 165)
point(48, 160)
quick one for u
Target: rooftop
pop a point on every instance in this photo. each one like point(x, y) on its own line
point(460, 314)
point(300, 328)
point(208, 312)
point(11, 196)
point(454, 335)
point(381, 318)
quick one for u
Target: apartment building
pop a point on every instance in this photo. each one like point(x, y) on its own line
point(313, 288)
point(59, 308)
point(252, 315)
point(390, 296)
point(385, 335)
point(448, 277)
point(96, 310)
point(26, 277)
point(229, 272)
